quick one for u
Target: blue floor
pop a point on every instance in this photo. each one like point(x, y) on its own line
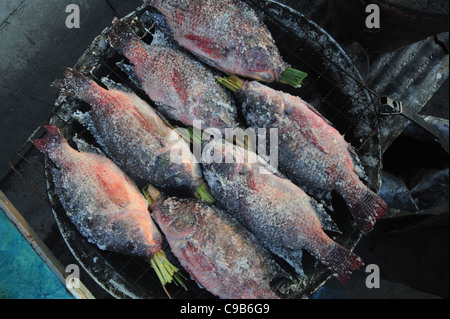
point(23, 274)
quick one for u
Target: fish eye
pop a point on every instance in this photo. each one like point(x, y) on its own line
point(242, 172)
point(131, 247)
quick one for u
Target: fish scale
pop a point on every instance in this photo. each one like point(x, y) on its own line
point(101, 201)
point(226, 34)
point(311, 151)
point(183, 88)
point(275, 210)
point(217, 252)
point(133, 134)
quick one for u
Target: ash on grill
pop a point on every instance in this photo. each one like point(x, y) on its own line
point(333, 86)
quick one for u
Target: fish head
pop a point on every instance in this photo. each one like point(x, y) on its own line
point(262, 106)
point(222, 113)
point(177, 167)
point(227, 162)
point(136, 235)
point(258, 58)
point(176, 217)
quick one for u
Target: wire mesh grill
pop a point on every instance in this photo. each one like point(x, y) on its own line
point(330, 87)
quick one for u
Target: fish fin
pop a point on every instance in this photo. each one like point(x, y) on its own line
point(307, 130)
point(83, 118)
point(179, 81)
point(114, 188)
point(163, 39)
point(74, 84)
point(367, 209)
point(86, 120)
point(314, 110)
point(120, 36)
point(130, 71)
point(205, 44)
point(152, 125)
point(160, 20)
point(56, 178)
point(292, 257)
point(325, 219)
point(342, 262)
point(198, 260)
point(360, 172)
point(111, 85)
point(53, 139)
point(165, 111)
point(314, 139)
point(84, 146)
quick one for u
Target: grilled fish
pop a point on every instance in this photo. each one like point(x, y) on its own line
point(311, 151)
point(100, 200)
point(215, 249)
point(183, 88)
point(228, 35)
point(133, 135)
point(274, 209)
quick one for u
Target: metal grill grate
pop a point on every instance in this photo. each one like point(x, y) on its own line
point(333, 87)
point(331, 98)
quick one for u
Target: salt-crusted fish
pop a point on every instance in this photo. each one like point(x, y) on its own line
point(133, 135)
point(275, 210)
point(215, 249)
point(228, 35)
point(183, 88)
point(100, 199)
point(311, 151)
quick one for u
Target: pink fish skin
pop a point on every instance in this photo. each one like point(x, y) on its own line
point(215, 250)
point(275, 210)
point(311, 151)
point(133, 134)
point(184, 89)
point(226, 34)
point(100, 200)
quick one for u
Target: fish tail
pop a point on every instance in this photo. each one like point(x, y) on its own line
point(52, 140)
point(74, 84)
point(342, 262)
point(121, 36)
point(367, 209)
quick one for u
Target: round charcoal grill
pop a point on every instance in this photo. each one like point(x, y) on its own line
point(333, 86)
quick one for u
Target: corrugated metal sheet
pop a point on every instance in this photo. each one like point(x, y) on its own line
point(412, 74)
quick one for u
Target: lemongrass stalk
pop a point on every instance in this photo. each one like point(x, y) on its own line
point(162, 259)
point(202, 192)
point(147, 196)
point(293, 77)
point(195, 138)
point(169, 264)
point(158, 273)
point(231, 82)
point(150, 193)
point(169, 270)
point(177, 279)
point(164, 269)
